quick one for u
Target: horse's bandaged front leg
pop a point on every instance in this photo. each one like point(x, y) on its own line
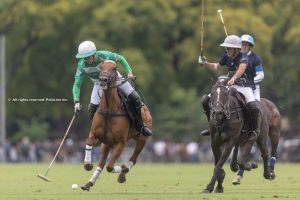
point(117, 169)
point(96, 174)
point(129, 165)
point(88, 154)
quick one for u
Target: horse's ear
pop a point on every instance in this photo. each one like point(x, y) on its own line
point(102, 60)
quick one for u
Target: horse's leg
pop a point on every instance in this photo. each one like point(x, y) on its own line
point(104, 150)
point(262, 145)
point(233, 164)
point(117, 150)
point(274, 136)
point(220, 178)
point(220, 159)
point(91, 141)
point(139, 146)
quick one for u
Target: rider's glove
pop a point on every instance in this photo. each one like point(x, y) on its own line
point(202, 60)
point(77, 107)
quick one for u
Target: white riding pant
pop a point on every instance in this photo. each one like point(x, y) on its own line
point(125, 87)
point(96, 94)
point(257, 92)
point(246, 91)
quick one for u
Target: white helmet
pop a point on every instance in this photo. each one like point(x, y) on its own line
point(232, 41)
point(86, 49)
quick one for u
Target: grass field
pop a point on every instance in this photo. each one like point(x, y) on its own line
point(145, 181)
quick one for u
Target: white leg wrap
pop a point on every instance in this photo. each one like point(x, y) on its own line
point(88, 154)
point(96, 174)
point(129, 165)
point(117, 169)
point(273, 158)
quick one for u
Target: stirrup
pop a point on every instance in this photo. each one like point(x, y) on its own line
point(205, 133)
point(146, 131)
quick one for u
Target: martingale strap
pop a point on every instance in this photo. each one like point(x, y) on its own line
point(110, 114)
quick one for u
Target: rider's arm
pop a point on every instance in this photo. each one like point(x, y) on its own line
point(259, 72)
point(240, 71)
point(125, 64)
point(79, 76)
point(213, 66)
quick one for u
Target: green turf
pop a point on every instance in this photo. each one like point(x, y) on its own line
point(145, 181)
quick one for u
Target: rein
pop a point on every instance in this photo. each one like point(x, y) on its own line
point(226, 108)
point(111, 84)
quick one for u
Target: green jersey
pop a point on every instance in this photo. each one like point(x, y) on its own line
point(92, 70)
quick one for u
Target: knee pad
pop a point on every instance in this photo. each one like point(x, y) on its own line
point(205, 102)
point(254, 107)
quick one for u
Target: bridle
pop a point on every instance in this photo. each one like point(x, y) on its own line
point(108, 80)
point(215, 105)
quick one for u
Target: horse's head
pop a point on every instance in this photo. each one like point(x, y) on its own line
point(219, 103)
point(108, 74)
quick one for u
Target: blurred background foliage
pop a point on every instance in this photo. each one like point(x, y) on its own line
point(161, 41)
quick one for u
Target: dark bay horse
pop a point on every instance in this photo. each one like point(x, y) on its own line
point(274, 121)
point(225, 126)
point(112, 128)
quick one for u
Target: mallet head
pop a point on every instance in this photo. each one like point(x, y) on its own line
point(220, 10)
point(45, 178)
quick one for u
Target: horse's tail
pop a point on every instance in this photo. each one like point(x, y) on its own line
point(274, 118)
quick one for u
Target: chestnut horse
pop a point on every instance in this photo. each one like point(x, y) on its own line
point(112, 128)
point(225, 126)
point(274, 119)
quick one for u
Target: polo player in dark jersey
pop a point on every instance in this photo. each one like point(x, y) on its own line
point(241, 77)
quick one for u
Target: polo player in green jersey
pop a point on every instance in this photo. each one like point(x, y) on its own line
point(89, 65)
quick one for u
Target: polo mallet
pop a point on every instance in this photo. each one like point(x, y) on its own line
point(201, 39)
point(44, 177)
point(221, 16)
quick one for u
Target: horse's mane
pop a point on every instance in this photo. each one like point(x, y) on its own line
point(220, 82)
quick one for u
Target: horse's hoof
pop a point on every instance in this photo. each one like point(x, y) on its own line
point(206, 191)
point(234, 167)
point(219, 190)
point(87, 186)
point(272, 175)
point(122, 178)
point(88, 166)
point(267, 175)
point(237, 180)
point(124, 169)
point(254, 165)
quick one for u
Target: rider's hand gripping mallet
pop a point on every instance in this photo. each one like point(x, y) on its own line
point(44, 177)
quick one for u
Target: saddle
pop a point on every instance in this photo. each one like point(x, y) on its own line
point(247, 114)
point(128, 108)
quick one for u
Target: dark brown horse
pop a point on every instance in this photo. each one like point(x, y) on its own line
point(274, 121)
point(225, 126)
point(112, 128)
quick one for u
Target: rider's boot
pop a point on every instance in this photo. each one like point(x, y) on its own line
point(256, 119)
point(141, 127)
point(92, 109)
point(205, 104)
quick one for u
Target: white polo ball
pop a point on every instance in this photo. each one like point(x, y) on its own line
point(74, 186)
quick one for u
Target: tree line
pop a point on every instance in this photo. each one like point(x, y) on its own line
point(159, 39)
